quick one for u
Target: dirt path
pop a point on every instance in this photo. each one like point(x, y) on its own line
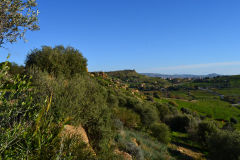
point(187, 152)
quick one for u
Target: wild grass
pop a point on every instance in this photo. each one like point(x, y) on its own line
point(151, 149)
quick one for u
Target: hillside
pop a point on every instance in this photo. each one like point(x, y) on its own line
point(54, 108)
point(213, 99)
point(139, 81)
point(114, 115)
point(165, 76)
point(209, 96)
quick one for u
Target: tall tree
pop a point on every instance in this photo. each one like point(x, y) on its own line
point(58, 60)
point(16, 17)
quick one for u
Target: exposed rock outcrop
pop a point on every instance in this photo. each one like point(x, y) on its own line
point(78, 131)
point(125, 155)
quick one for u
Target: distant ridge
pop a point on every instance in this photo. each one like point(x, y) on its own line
point(181, 75)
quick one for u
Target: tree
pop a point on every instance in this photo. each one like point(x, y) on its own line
point(224, 145)
point(161, 132)
point(16, 17)
point(58, 60)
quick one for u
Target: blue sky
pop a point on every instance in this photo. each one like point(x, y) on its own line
point(160, 36)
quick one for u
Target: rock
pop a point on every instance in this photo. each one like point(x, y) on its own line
point(78, 131)
point(134, 141)
point(125, 155)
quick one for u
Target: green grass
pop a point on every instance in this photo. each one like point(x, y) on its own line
point(182, 94)
point(217, 108)
point(192, 94)
point(199, 94)
point(214, 107)
point(182, 138)
point(229, 91)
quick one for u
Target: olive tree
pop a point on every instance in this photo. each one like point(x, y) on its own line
point(16, 17)
point(57, 60)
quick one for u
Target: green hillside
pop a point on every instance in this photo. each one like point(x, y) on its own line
point(138, 81)
point(118, 115)
point(53, 108)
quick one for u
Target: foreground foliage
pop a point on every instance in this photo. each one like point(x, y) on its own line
point(16, 18)
point(118, 120)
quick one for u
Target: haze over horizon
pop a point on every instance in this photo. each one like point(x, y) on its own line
point(154, 36)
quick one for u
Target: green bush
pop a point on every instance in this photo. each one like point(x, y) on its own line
point(84, 101)
point(205, 129)
point(147, 110)
point(233, 120)
point(129, 118)
point(163, 111)
point(58, 60)
point(161, 132)
point(224, 145)
point(26, 129)
point(181, 123)
point(148, 113)
point(229, 126)
point(112, 99)
point(178, 123)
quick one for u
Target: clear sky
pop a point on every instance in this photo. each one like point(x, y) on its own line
point(160, 36)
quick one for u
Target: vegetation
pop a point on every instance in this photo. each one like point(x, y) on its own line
point(197, 109)
point(161, 132)
point(50, 100)
point(53, 108)
point(58, 60)
point(224, 145)
point(16, 18)
point(36, 107)
point(14, 68)
point(138, 81)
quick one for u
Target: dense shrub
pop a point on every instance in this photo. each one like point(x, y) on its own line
point(233, 120)
point(84, 101)
point(134, 150)
point(205, 129)
point(27, 129)
point(163, 110)
point(122, 100)
point(229, 126)
point(185, 110)
point(224, 145)
point(130, 102)
point(112, 99)
point(129, 118)
point(181, 123)
point(148, 113)
point(16, 103)
point(146, 148)
point(161, 132)
point(57, 60)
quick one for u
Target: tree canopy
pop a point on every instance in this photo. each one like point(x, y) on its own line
point(17, 16)
point(57, 60)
